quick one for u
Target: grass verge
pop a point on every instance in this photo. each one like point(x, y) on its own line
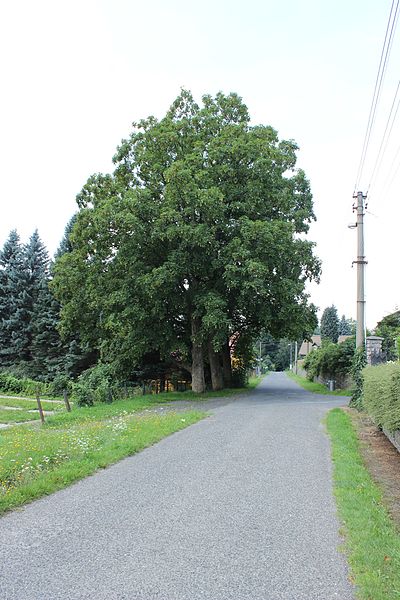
point(30, 404)
point(17, 416)
point(35, 462)
point(317, 388)
point(372, 541)
point(106, 411)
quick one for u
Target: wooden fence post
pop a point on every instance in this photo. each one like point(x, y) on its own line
point(39, 405)
point(66, 401)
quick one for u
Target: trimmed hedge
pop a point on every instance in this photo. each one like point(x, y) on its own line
point(382, 394)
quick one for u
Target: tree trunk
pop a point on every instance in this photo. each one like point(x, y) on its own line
point(217, 379)
point(198, 381)
point(226, 364)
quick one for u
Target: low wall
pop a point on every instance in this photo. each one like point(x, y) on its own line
point(342, 382)
point(394, 437)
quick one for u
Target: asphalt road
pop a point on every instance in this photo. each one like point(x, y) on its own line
point(236, 507)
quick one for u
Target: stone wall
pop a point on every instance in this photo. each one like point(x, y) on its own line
point(394, 437)
point(342, 382)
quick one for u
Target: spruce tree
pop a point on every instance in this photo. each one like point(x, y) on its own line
point(65, 244)
point(344, 326)
point(14, 309)
point(36, 261)
point(47, 350)
point(330, 324)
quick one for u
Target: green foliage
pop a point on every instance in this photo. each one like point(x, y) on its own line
point(193, 238)
point(9, 384)
point(30, 344)
point(281, 357)
point(60, 383)
point(239, 376)
point(331, 360)
point(346, 326)
point(371, 539)
point(330, 324)
point(389, 329)
point(13, 302)
point(359, 362)
point(381, 394)
point(96, 384)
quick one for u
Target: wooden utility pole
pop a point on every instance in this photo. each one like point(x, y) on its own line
point(360, 262)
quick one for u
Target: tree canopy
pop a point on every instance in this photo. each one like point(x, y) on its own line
point(193, 244)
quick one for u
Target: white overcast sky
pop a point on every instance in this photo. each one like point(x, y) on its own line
point(74, 75)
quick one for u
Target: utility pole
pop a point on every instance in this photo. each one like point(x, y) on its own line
point(360, 262)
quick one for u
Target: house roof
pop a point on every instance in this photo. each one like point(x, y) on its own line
point(315, 342)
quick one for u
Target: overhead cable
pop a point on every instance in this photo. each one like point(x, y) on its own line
point(386, 48)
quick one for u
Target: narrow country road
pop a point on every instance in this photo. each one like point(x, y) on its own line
point(236, 507)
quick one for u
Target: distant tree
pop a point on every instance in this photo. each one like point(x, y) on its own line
point(345, 326)
point(330, 324)
point(282, 356)
point(66, 244)
point(9, 258)
point(29, 341)
point(48, 352)
point(12, 282)
point(389, 329)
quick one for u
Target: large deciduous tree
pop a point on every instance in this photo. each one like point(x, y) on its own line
point(197, 236)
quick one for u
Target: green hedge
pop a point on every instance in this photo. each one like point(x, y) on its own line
point(382, 394)
point(9, 384)
point(331, 360)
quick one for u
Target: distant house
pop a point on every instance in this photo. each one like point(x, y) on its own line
point(309, 345)
point(315, 342)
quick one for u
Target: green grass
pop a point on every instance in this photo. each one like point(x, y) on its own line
point(17, 416)
point(35, 462)
point(14, 395)
point(317, 388)
point(30, 404)
point(103, 411)
point(372, 541)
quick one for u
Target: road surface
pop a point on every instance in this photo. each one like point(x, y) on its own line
point(236, 507)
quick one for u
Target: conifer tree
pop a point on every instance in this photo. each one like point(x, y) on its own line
point(330, 324)
point(47, 349)
point(344, 326)
point(66, 244)
point(14, 303)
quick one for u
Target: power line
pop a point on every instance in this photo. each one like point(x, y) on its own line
point(385, 53)
point(385, 139)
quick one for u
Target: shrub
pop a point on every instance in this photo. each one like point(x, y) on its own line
point(9, 384)
point(60, 383)
point(382, 394)
point(331, 360)
point(95, 385)
point(83, 394)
